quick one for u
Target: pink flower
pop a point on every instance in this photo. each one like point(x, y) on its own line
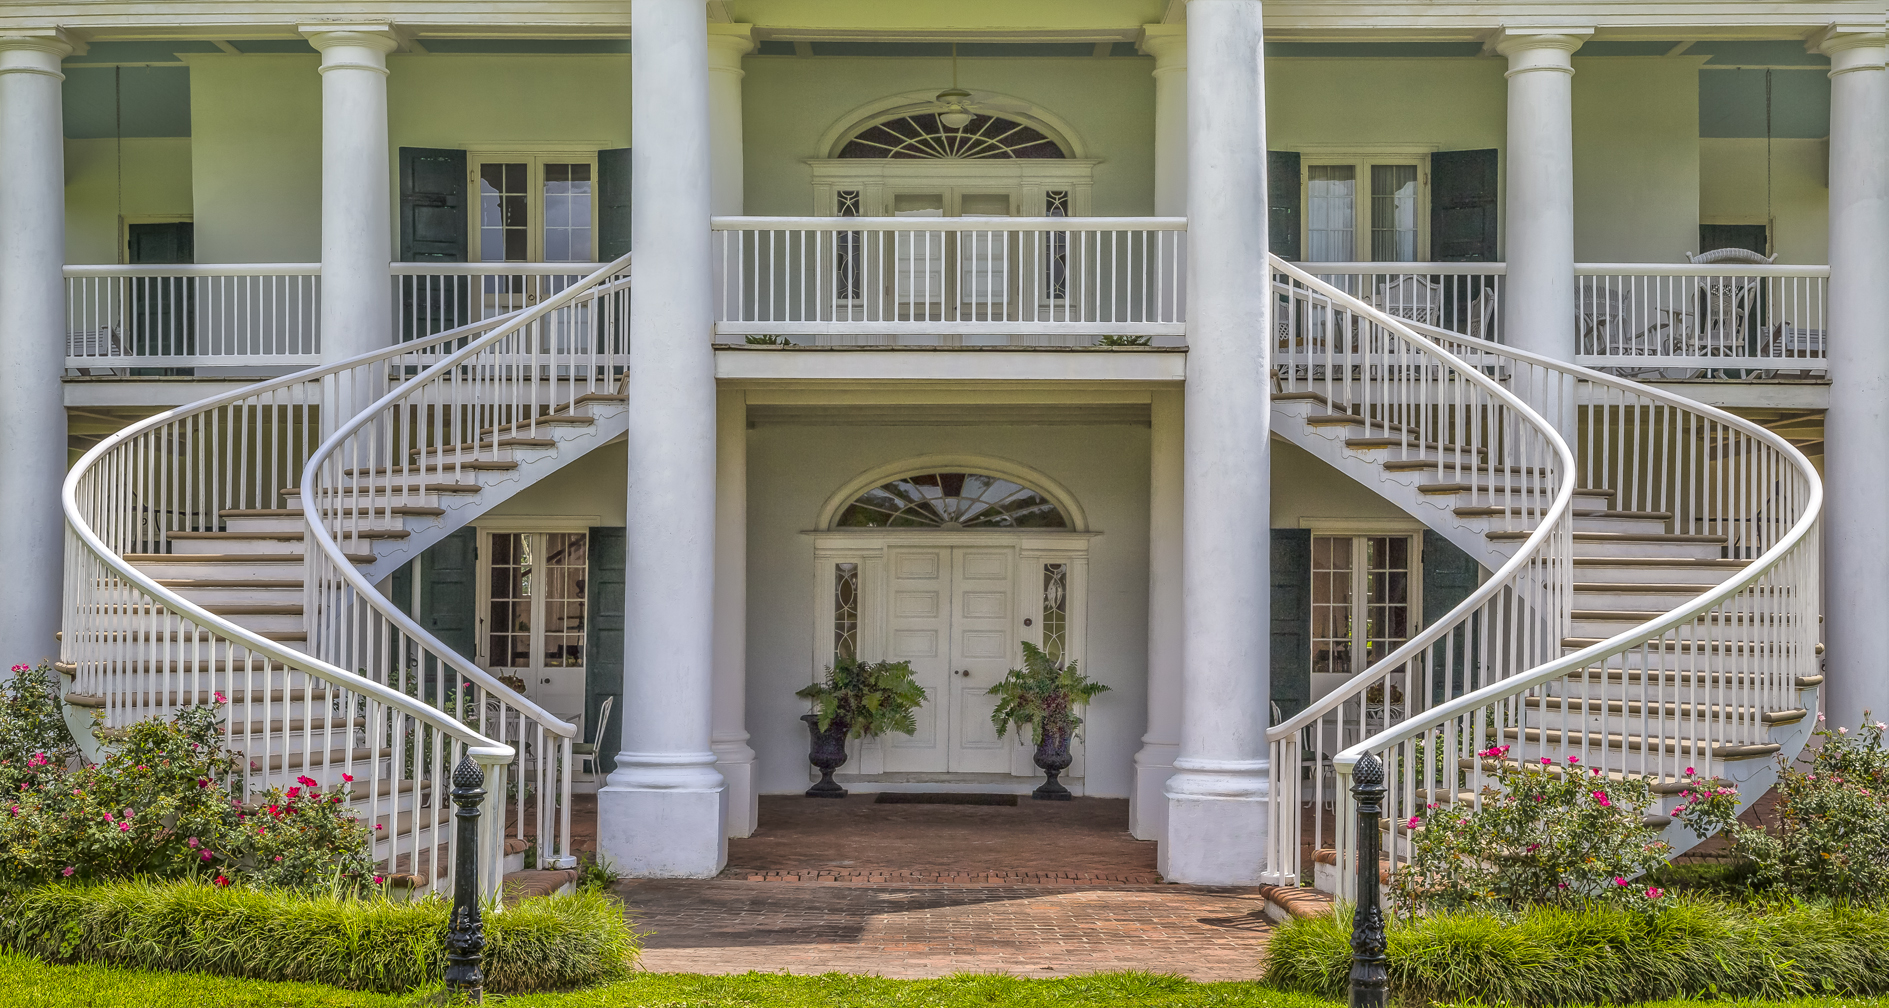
point(295, 792)
point(347, 778)
point(278, 857)
point(1572, 760)
point(379, 826)
point(378, 879)
point(108, 817)
point(1882, 726)
point(1678, 809)
point(69, 869)
point(1545, 761)
point(1843, 731)
point(307, 781)
point(206, 856)
point(1619, 881)
point(124, 827)
point(1691, 772)
point(1412, 824)
point(38, 760)
point(1820, 717)
point(203, 782)
point(192, 842)
point(219, 697)
point(20, 668)
point(1654, 892)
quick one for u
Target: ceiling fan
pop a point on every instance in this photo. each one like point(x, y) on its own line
point(955, 105)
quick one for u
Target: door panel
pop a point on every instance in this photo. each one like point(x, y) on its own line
point(981, 645)
point(920, 628)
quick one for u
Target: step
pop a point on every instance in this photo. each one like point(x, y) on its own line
point(544, 420)
point(296, 726)
point(427, 492)
point(1633, 544)
point(1585, 519)
point(211, 592)
point(446, 451)
point(1431, 465)
point(1605, 595)
point(1594, 707)
point(1603, 623)
point(1682, 646)
point(472, 465)
point(291, 520)
point(200, 638)
point(224, 566)
point(292, 542)
point(1657, 570)
point(1517, 495)
point(1579, 740)
point(186, 698)
point(1416, 449)
point(319, 757)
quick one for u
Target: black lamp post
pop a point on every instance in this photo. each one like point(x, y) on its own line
point(1370, 972)
point(465, 936)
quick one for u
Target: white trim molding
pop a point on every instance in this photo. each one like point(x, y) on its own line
point(993, 465)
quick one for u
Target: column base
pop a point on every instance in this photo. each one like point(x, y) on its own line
point(1217, 828)
point(1148, 802)
point(735, 761)
point(663, 817)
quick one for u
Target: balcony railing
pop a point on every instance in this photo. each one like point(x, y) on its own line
point(121, 317)
point(1047, 281)
point(949, 280)
point(1654, 321)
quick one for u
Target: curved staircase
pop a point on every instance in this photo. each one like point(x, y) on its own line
point(1652, 602)
point(224, 553)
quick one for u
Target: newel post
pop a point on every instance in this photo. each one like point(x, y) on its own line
point(1370, 973)
point(465, 936)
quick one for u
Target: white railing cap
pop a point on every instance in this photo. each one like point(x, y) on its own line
point(194, 269)
point(948, 224)
point(1689, 270)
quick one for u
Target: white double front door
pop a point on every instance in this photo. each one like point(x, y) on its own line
point(951, 612)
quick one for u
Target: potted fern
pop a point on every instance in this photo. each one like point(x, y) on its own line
point(857, 699)
point(1043, 696)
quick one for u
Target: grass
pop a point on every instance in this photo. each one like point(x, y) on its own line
point(1692, 948)
point(28, 983)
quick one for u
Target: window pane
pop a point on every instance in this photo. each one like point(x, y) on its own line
point(1331, 604)
point(502, 212)
point(567, 212)
point(1387, 595)
point(845, 611)
point(508, 627)
point(562, 584)
point(1393, 213)
point(1056, 611)
point(1331, 212)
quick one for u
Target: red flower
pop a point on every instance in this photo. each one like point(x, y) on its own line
point(307, 781)
point(348, 778)
point(220, 880)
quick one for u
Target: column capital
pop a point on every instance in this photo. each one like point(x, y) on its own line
point(1167, 43)
point(1536, 48)
point(1850, 46)
point(727, 44)
point(36, 50)
point(371, 41)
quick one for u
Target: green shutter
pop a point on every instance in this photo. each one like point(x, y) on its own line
point(603, 641)
point(449, 591)
point(613, 204)
point(163, 309)
point(433, 216)
point(1282, 203)
point(1291, 619)
point(1463, 191)
point(1449, 576)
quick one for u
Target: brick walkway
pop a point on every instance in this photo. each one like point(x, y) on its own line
point(852, 886)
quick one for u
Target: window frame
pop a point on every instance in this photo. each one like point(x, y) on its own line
point(534, 163)
point(1360, 601)
point(1361, 164)
point(482, 625)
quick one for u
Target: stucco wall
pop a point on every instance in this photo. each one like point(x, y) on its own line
point(1636, 159)
point(256, 157)
point(155, 173)
point(1732, 190)
point(490, 100)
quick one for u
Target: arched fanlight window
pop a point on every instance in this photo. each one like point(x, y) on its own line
point(952, 500)
point(924, 137)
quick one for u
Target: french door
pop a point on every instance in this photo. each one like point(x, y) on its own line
point(951, 613)
point(534, 618)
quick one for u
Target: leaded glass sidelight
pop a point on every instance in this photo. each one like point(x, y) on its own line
point(1056, 611)
point(952, 500)
point(845, 611)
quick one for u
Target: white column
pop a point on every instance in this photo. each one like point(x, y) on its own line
point(1538, 303)
point(660, 813)
point(733, 757)
point(356, 188)
point(727, 43)
point(1217, 797)
point(32, 339)
point(1167, 43)
point(1154, 764)
point(1856, 428)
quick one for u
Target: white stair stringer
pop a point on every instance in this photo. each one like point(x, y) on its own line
point(1678, 590)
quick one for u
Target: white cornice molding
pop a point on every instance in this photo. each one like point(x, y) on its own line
point(44, 38)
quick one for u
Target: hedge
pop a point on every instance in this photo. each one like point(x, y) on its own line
point(373, 944)
point(1689, 947)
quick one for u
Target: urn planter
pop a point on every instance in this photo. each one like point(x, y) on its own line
point(1052, 757)
point(828, 753)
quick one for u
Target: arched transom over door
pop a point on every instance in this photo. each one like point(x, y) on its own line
point(950, 569)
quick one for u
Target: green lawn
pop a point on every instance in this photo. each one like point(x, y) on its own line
point(29, 983)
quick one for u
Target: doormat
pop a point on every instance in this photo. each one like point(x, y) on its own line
point(937, 798)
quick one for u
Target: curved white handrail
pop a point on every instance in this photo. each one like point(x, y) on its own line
point(1460, 726)
point(1375, 365)
point(500, 375)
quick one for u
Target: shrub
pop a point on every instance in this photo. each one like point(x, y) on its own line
point(869, 698)
point(31, 722)
point(1042, 696)
point(164, 804)
point(1831, 835)
point(1550, 833)
point(360, 944)
point(1601, 953)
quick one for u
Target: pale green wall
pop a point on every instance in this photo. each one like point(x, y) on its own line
point(459, 100)
point(1454, 104)
point(1636, 159)
point(1731, 185)
point(790, 102)
point(256, 157)
point(155, 173)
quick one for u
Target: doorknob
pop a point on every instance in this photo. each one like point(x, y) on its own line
point(966, 673)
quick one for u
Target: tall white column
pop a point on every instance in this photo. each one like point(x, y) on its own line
point(356, 188)
point(1217, 814)
point(1538, 303)
point(727, 43)
point(32, 339)
point(1154, 764)
point(660, 813)
point(1856, 427)
point(734, 759)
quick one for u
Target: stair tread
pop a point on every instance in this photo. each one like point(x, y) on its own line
point(1448, 488)
point(1393, 442)
point(228, 583)
point(475, 464)
point(397, 509)
point(290, 535)
point(1625, 537)
point(1621, 740)
point(176, 698)
point(1715, 562)
point(1529, 512)
point(412, 488)
point(272, 558)
point(1639, 708)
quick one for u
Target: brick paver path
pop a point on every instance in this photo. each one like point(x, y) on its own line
point(1040, 889)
